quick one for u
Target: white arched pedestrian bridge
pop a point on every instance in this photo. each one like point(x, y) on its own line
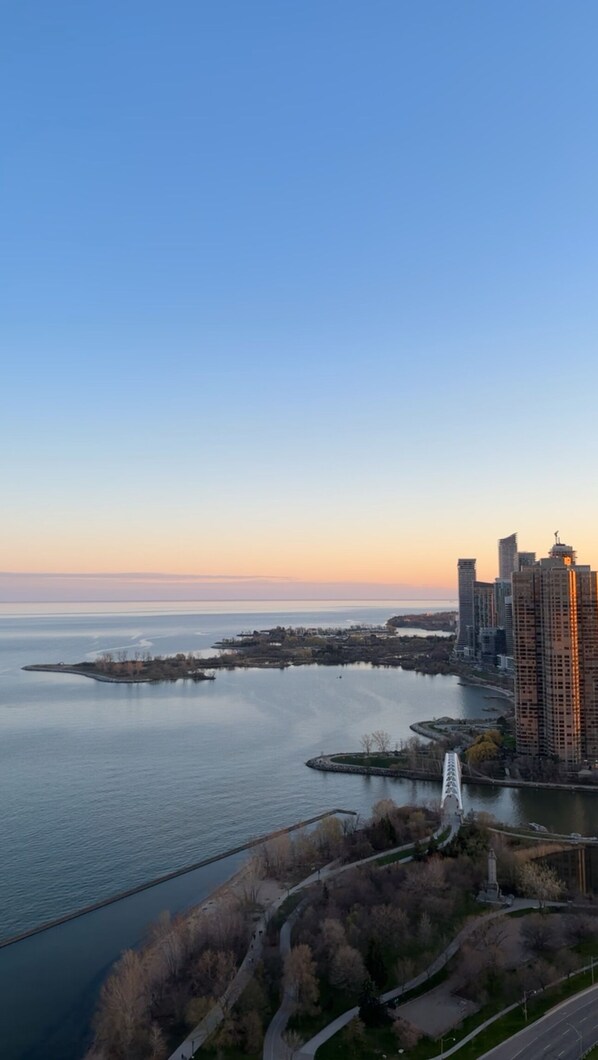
point(451, 802)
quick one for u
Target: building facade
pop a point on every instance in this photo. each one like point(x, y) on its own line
point(555, 648)
point(507, 557)
point(525, 559)
point(503, 596)
point(466, 589)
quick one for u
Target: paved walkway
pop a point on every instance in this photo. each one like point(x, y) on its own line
point(273, 1041)
point(196, 1038)
point(310, 1047)
point(274, 1045)
point(503, 1052)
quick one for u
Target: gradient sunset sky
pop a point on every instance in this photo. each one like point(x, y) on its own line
point(298, 291)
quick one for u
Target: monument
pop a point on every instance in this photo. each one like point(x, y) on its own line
point(491, 891)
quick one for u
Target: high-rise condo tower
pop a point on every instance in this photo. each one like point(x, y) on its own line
point(555, 647)
point(466, 628)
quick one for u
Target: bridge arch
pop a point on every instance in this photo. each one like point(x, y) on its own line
point(451, 802)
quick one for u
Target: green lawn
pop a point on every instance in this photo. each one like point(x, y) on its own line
point(399, 855)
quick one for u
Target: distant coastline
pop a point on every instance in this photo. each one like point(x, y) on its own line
point(426, 647)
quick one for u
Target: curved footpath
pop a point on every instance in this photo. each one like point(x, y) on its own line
point(310, 1047)
point(277, 1025)
point(274, 1045)
point(203, 1030)
point(566, 1009)
point(501, 1052)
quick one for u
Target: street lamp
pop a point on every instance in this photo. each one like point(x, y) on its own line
point(579, 1035)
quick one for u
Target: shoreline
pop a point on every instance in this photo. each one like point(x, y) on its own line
point(61, 668)
point(244, 663)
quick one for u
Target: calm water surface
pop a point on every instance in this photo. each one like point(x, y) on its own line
point(105, 786)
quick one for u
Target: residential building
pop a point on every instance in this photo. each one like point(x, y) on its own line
point(507, 557)
point(555, 647)
point(484, 608)
point(525, 559)
point(503, 595)
point(465, 642)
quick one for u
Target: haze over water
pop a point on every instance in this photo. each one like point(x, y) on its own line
point(105, 786)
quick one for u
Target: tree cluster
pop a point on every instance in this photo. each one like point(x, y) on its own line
point(143, 666)
point(486, 747)
point(293, 855)
point(486, 968)
point(390, 826)
point(168, 985)
point(371, 928)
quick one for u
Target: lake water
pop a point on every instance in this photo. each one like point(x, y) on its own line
point(106, 786)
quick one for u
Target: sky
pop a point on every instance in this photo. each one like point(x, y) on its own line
point(295, 292)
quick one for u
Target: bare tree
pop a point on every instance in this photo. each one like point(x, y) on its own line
point(406, 1033)
point(329, 836)
point(354, 1037)
point(347, 969)
point(332, 936)
point(124, 1006)
point(425, 929)
point(251, 882)
point(384, 808)
point(540, 933)
point(212, 972)
point(300, 977)
point(382, 740)
point(292, 1041)
point(366, 743)
point(197, 1010)
point(156, 1044)
point(252, 1030)
point(541, 882)
point(405, 970)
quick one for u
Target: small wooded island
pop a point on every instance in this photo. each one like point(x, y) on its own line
point(120, 669)
point(281, 647)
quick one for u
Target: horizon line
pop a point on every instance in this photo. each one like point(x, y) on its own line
point(225, 600)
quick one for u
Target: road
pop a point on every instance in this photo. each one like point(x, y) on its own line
point(563, 1034)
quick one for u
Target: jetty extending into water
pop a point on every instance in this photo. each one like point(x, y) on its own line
point(172, 875)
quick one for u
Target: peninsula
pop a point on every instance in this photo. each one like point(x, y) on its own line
point(139, 670)
point(428, 652)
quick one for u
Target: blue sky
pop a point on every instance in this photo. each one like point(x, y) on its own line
point(299, 290)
